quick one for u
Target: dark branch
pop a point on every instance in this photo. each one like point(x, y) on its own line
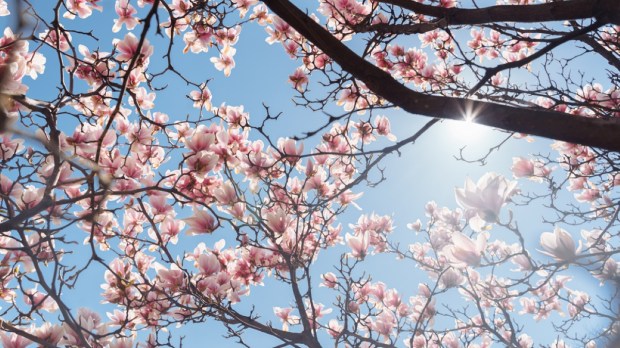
point(594, 132)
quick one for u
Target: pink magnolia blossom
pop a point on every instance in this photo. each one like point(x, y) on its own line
point(128, 49)
point(227, 36)
point(260, 15)
point(83, 8)
point(284, 314)
point(559, 343)
point(201, 222)
point(588, 195)
point(465, 251)
point(487, 196)
point(125, 13)
point(30, 196)
point(329, 280)
point(523, 261)
point(10, 147)
point(201, 98)
point(382, 125)
point(208, 264)
point(202, 162)
point(316, 311)
point(8, 187)
point(201, 139)
point(578, 301)
point(415, 226)
point(49, 333)
point(225, 194)
point(358, 244)
point(278, 221)
point(200, 39)
point(40, 301)
point(171, 279)
point(225, 62)
point(124, 342)
point(299, 79)
point(51, 37)
point(280, 30)
point(451, 278)
point(560, 245)
point(143, 99)
point(290, 149)
point(234, 115)
point(12, 340)
point(334, 328)
point(35, 65)
point(534, 170)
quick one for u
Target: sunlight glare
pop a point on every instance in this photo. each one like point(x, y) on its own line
point(467, 131)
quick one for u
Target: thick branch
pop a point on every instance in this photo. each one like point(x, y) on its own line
point(594, 132)
point(26, 214)
point(604, 10)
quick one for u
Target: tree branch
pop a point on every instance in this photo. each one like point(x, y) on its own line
point(594, 132)
point(604, 10)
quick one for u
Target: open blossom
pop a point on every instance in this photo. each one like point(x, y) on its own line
point(208, 264)
point(200, 39)
point(128, 49)
point(334, 328)
point(10, 147)
point(416, 226)
point(12, 340)
point(125, 14)
point(316, 311)
point(51, 37)
point(358, 244)
point(527, 168)
point(40, 301)
point(290, 149)
point(285, 316)
point(124, 342)
point(329, 280)
point(383, 324)
point(201, 222)
point(560, 245)
point(451, 278)
point(201, 98)
point(244, 5)
point(487, 196)
point(578, 301)
point(466, 251)
point(523, 261)
point(225, 62)
point(81, 8)
point(382, 126)
point(299, 79)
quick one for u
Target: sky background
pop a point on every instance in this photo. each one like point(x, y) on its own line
point(423, 172)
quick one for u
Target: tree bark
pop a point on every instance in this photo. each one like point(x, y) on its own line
point(604, 10)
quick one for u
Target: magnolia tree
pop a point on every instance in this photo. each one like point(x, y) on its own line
point(95, 179)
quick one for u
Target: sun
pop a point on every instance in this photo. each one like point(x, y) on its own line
point(466, 131)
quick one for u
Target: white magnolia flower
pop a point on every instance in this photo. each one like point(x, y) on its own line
point(487, 196)
point(559, 245)
point(465, 251)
